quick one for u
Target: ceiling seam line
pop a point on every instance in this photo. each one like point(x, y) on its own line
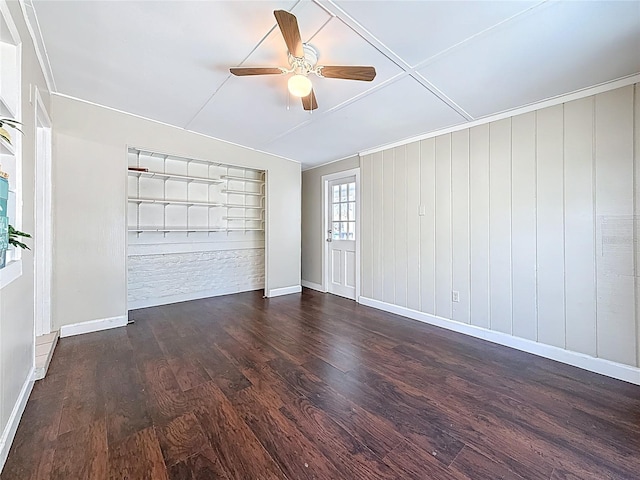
point(441, 95)
point(370, 38)
point(447, 50)
point(381, 47)
point(319, 30)
point(376, 43)
point(186, 127)
point(204, 105)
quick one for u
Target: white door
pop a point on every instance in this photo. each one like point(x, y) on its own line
point(341, 237)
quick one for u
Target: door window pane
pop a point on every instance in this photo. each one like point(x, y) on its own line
point(351, 230)
point(352, 211)
point(343, 193)
point(335, 233)
point(343, 230)
point(336, 212)
point(336, 193)
point(352, 192)
point(344, 215)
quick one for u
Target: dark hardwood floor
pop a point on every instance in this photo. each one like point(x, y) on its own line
point(315, 386)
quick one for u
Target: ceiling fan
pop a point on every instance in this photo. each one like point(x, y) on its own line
point(303, 59)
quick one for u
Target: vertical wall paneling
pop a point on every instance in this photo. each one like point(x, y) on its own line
point(413, 226)
point(400, 224)
point(377, 224)
point(550, 226)
point(523, 225)
point(479, 209)
point(616, 329)
point(427, 225)
point(388, 246)
point(579, 276)
point(443, 226)
point(366, 226)
point(500, 225)
point(532, 221)
point(460, 222)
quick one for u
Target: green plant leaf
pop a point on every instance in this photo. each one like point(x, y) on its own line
point(13, 237)
point(17, 243)
point(17, 233)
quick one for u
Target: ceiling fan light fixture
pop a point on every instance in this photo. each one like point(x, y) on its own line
point(299, 85)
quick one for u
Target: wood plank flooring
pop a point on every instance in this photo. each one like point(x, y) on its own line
point(315, 386)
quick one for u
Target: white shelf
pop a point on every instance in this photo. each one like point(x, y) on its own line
point(169, 230)
point(240, 192)
point(164, 156)
point(241, 214)
point(188, 203)
point(173, 176)
point(242, 179)
point(248, 207)
point(191, 230)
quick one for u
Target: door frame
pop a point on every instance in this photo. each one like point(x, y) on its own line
point(325, 226)
point(43, 238)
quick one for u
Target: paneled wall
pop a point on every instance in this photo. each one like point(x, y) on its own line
point(530, 222)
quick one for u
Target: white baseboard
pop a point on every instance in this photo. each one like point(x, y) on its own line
point(598, 365)
point(185, 297)
point(276, 292)
point(93, 326)
point(10, 429)
point(313, 286)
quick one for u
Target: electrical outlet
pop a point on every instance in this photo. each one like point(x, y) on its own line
point(422, 210)
point(455, 296)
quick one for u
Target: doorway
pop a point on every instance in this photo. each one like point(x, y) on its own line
point(341, 259)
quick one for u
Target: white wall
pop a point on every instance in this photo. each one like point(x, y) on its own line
point(17, 299)
point(90, 180)
point(532, 219)
point(312, 234)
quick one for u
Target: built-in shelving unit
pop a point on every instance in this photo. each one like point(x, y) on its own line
point(170, 194)
point(195, 228)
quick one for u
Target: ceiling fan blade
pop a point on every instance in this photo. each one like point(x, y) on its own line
point(244, 71)
point(309, 102)
point(288, 24)
point(348, 73)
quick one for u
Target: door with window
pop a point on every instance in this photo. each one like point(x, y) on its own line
point(341, 237)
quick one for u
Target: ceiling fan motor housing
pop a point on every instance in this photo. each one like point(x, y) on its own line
point(305, 65)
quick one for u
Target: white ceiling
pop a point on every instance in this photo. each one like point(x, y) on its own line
point(439, 64)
